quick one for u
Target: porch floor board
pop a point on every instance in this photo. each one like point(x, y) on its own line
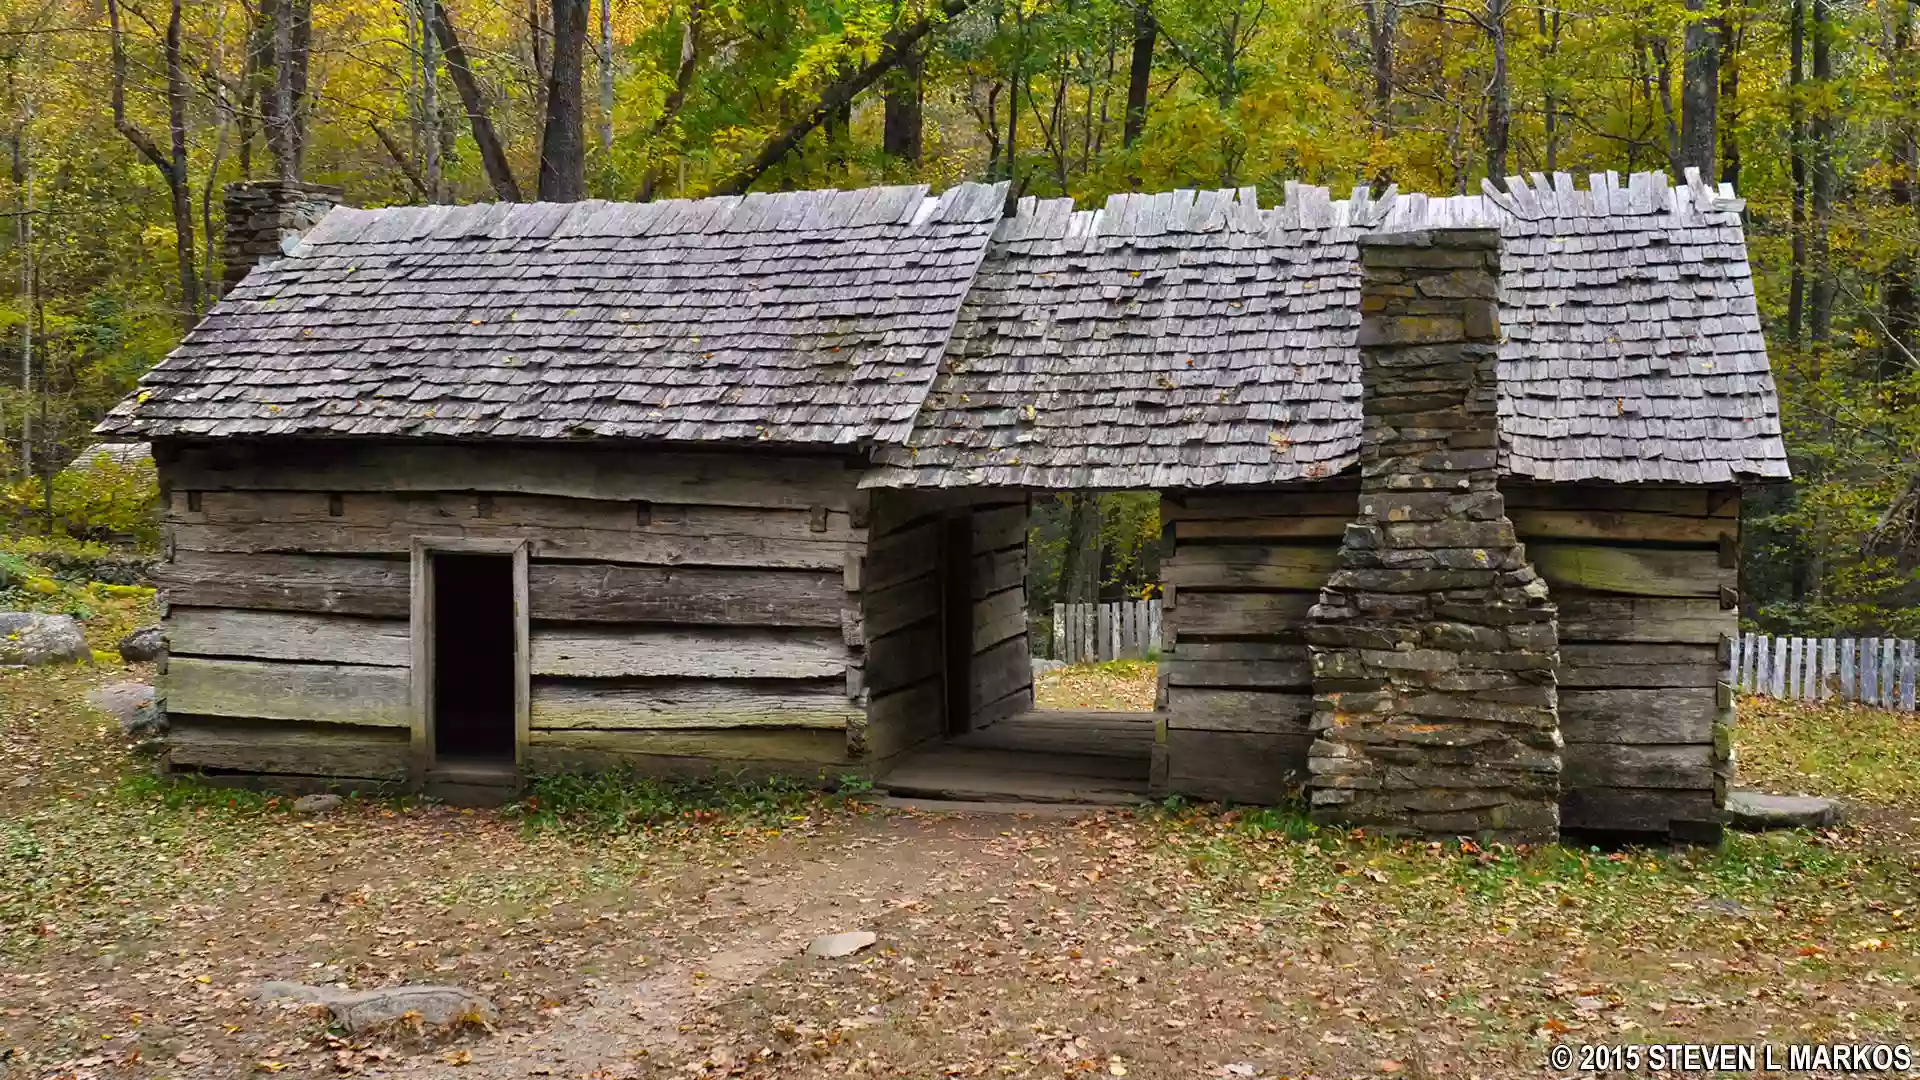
point(1077, 757)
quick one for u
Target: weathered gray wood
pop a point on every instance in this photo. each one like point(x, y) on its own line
point(999, 671)
point(1849, 670)
point(1329, 528)
point(1235, 766)
point(386, 523)
point(999, 617)
point(1623, 619)
point(705, 653)
point(1830, 669)
point(1795, 665)
point(1763, 666)
point(271, 690)
point(1243, 614)
point(1239, 650)
point(1103, 616)
point(1059, 632)
point(1232, 674)
point(1586, 664)
point(1000, 527)
point(691, 703)
point(896, 607)
point(1649, 766)
point(1016, 702)
point(997, 570)
point(1633, 809)
point(1252, 566)
point(904, 657)
point(1329, 499)
point(1889, 674)
point(1671, 715)
point(725, 597)
point(1155, 640)
point(277, 635)
point(1907, 674)
point(906, 718)
point(334, 584)
point(800, 746)
point(296, 749)
point(754, 478)
point(1199, 709)
point(1630, 570)
point(1617, 525)
point(1644, 498)
point(903, 555)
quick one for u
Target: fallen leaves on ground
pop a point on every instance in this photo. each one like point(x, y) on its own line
point(1829, 748)
point(1114, 686)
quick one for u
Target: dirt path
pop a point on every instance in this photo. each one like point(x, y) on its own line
point(750, 923)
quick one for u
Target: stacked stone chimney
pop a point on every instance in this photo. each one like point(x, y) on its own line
point(1434, 642)
point(266, 218)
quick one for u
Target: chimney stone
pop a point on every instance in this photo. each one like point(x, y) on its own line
point(1434, 643)
point(265, 218)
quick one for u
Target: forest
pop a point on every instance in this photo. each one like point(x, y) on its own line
point(122, 121)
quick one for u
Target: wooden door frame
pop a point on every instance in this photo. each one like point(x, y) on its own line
point(420, 635)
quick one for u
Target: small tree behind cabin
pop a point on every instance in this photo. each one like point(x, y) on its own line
point(1084, 547)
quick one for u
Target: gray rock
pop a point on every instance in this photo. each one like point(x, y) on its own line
point(438, 1007)
point(148, 722)
point(1041, 666)
point(316, 804)
point(28, 637)
point(834, 946)
point(121, 700)
point(1757, 811)
point(144, 645)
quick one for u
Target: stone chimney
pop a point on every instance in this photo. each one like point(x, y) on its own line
point(1434, 643)
point(266, 218)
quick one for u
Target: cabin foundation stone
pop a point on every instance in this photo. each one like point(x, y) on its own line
point(1434, 644)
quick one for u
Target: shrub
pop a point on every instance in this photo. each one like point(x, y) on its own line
point(99, 499)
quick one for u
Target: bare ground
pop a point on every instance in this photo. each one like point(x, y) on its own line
point(135, 919)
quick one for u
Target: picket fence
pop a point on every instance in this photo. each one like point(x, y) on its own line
point(1126, 630)
point(1874, 671)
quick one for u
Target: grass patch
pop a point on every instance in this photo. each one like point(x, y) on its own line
point(620, 800)
point(1861, 753)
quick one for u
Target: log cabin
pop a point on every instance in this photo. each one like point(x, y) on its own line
point(1450, 493)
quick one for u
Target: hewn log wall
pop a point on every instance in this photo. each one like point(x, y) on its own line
point(1002, 683)
point(688, 611)
point(1644, 578)
point(1240, 572)
point(900, 586)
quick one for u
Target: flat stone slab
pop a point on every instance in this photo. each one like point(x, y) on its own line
point(120, 700)
point(834, 946)
point(360, 1010)
point(1756, 811)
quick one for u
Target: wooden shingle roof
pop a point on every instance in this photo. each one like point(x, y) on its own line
point(1184, 339)
point(813, 317)
point(1194, 339)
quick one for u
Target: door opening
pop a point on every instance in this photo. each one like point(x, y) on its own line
point(473, 661)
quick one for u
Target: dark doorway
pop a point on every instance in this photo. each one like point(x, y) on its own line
point(473, 662)
point(956, 584)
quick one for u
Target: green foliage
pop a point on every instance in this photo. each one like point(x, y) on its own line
point(101, 498)
point(619, 800)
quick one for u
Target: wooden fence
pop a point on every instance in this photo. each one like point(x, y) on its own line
point(1875, 671)
point(1083, 633)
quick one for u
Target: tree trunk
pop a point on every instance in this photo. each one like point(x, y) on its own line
point(1499, 106)
point(1700, 94)
point(839, 93)
point(537, 41)
point(1797, 165)
point(286, 120)
point(493, 157)
point(1078, 582)
point(256, 84)
point(1903, 159)
point(1549, 26)
point(1820, 303)
point(677, 97)
point(1383, 18)
point(429, 130)
point(900, 135)
point(1733, 39)
point(606, 76)
point(1146, 34)
point(563, 142)
point(172, 163)
point(1663, 74)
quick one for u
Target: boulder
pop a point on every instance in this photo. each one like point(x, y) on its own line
point(147, 644)
point(316, 804)
point(436, 1007)
point(1756, 811)
point(28, 637)
point(133, 704)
